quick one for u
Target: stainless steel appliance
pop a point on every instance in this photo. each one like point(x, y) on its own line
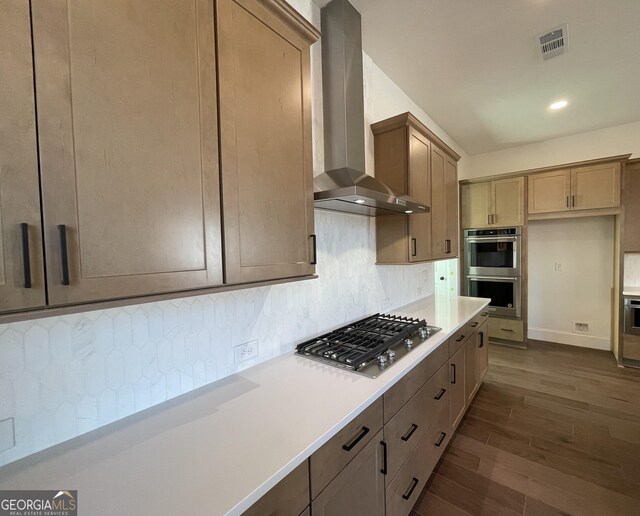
point(505, 293)
point(631, 335)
point(492, 252)
point(369, 346)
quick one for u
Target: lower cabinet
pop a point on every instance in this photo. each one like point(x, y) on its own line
point(370, 468)
point(358, 490)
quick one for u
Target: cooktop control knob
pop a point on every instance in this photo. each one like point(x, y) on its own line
point(424, 333)
point(408, 343)
point(391, 354)
point(382, 360)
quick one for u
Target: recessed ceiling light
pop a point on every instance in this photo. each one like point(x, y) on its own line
point(559, 104)
point(360, 201)
point(408, 211)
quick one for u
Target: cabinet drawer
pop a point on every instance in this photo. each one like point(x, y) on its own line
point(409, 425)
point(289, 497)
point(509, 329)
point(457, 340)
point(402, 391)
point(335, 454)
point(477, 321)
point(405, 489)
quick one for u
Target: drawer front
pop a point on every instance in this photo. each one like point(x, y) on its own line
point(509, 329)
point(335, 454)
point(402, 391)
point(409, 425)
point(457, 340)
point(477, 321)
point(405, 489)
point(289, 497)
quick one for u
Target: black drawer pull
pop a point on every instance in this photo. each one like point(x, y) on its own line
point(64, 257)
point(358, 438)
point(453, 371)
point(315, 251)
point(442, 436)
point(484, 314)
point(481, 345)
point(26, 261)
point(409, 492)
point(408, 435)
point(507, 329)
point(460, 338)
point(447, 246)
point(473, 324)
point(384, 458)
point(414, 247)
point(440, 394)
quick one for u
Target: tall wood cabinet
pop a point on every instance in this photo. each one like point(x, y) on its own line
point(266, 155)
point(21, 258)
point(631, 203)
point(493, 203)
point(413, 161)
point(127, 118)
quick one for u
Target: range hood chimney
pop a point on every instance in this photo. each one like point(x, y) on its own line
point(345, 186)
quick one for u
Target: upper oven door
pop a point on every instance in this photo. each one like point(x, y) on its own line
point(492, 255)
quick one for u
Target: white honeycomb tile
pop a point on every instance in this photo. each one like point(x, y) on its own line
point(36, 349)
point(83, 337)
point(60, 343)
point(149, 359)
point(125, 399)
point(139, 327)
point(95, 375)
point(158, 389)
point(52, 387)
point(115, 370)
point(173, 383)
point(42, 430)
point(197, 317)
point(132, 364)
point(107, 407)
point(87, 414)
point(164, 355)
point(73, 374)
point(170, 319)
point(156, 323)
point(199, 374)
point(104, 335)
point(178, 352)
point(142, 394)
point(26, 390)
point(11, 354)
point(65, 422)
point(6, 399)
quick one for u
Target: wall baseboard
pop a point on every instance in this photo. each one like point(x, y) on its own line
point(571, 339)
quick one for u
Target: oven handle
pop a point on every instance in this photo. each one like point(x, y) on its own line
point(476, 240)
point(492, 278)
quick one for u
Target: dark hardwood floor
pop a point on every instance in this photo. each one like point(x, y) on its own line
point(553, 430)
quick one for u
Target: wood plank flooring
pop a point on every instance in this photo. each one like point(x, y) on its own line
point(553, 430)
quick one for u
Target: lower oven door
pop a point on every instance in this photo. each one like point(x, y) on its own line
point(505, 293)
point(632, 316)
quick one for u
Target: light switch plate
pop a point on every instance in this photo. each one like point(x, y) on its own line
point(7, 434)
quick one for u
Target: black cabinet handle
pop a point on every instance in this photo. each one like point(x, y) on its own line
point(414, 247)
point(358, 438)
point(507, 329)
point(473, 324)
point(481, 345)
point(573, 201)
point(408, 435)
point(64, 256)
point(453, 370)
point(460, 338)
point(567, 202)
point(26, 261)
point(447, 246)
point(315, 251)
point(384, 458)
point(440, 394)
point(439, 442)
point(409, 492)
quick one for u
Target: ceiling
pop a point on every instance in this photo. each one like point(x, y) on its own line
point(475, 66)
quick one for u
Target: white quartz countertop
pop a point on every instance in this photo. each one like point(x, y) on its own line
point(218, 449)
point(631, 291)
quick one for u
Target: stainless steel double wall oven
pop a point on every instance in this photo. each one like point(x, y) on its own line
point(492, 268)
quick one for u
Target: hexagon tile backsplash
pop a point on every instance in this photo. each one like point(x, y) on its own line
point(63, 376)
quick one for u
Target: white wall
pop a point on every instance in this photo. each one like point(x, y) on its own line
point(63, 376)
point(581, 292)
point(632, 270)
point(612, 141)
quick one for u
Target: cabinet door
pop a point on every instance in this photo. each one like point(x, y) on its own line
point(631, 202)
point(471, 380)
point(265, 134)
point(420, 189)
point(508, 202)
point(457, 380)
point(482, 352)
point(476, 205)
point(595, 187)
point(21, 273)
point(451, 222)
point(289, 497)
point(550, 192)
point(438, 204)
point(128, 144)
point(359, 488)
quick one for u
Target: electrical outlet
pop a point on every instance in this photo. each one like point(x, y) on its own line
point(559, 267)
point(581, 327)
point(246, 351)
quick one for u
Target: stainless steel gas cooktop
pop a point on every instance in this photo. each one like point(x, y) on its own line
point(369, 346)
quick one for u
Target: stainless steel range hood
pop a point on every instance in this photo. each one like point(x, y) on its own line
point(345, 186)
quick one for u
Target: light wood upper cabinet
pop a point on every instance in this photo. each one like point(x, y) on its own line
point(21, 266)
point(582, 188)
point(631, 203)
point(493, 203)
point(412, 160)
point(128, 144)
point(550, 191)
point(265, 134)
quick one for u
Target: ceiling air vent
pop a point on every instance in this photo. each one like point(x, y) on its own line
point(553, 42)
